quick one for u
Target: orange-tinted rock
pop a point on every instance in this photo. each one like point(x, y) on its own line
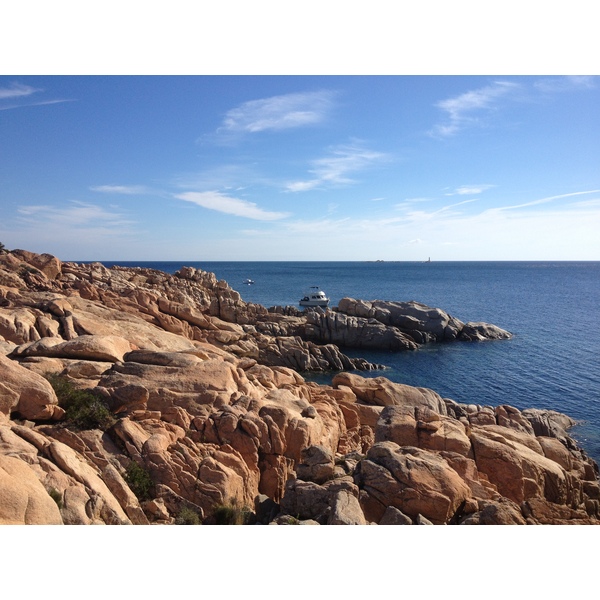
point(26, 393)
point(23, 499)
point(413, 480)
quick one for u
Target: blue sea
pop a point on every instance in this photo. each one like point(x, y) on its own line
point(552, 309)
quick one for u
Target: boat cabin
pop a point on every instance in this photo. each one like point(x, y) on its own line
point(314, 297)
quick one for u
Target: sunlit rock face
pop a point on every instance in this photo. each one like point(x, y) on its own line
point(208, 418)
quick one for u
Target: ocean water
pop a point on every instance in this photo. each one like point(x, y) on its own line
point(551, 308)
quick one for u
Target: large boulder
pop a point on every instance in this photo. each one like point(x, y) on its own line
point(26, 393)
point(380, 391)
point(49, 265)
point(424, 428)
point(19, 324)
point(423, 323)
point(519, 471)
point(478, 332)
point(107, 348)
point(414, 481)
point(23, 499)
point(412, 321)
point(332, 503)
point(316, 464)
point(355, 332)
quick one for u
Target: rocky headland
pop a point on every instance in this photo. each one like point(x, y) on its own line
point(131, 396)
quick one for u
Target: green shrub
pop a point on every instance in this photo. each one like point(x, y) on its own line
point(56, 496)
point(187, 516)
point(231, 514)
point(139, 480)
point(26, 270)
point(83, 408)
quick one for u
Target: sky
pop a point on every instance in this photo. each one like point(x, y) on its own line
point(301, 167)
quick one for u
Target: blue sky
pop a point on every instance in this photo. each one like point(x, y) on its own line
point(393, 167)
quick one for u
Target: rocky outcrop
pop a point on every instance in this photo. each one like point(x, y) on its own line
point(392, 326)
point(412, 480)
point(179, 403)
point(23, 499)
point(25, 393)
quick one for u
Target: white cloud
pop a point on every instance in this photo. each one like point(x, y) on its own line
point(231, 206)
point(565, 84)
point(120, 189)
point(530, 232)
point(408, 202)
point(464, 110)
point(468, 190)
point(449, 206)
point(277, 113)
point(77, 214)
point(542, 201)
point(420, 216)
point(302, 186)
point(74, 231)
point(333, 170)
point(587, 203)
point(16, 90)
point(226, 177)
point(16, 95)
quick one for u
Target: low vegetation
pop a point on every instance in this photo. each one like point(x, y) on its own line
point(83, 408)
point(187, 516)
point(232, 514)
point(139, 480)
point(56, 496)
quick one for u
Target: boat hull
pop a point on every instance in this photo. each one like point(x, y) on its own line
point(314, 303)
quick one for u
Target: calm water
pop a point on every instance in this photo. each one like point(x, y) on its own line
point(552, 308)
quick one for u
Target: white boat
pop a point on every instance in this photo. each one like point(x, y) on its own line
point(314, 297)
point(248, 282)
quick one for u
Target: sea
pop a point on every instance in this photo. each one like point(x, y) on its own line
point(551, 308)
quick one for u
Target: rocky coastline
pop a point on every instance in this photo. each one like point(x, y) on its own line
point(131, 396)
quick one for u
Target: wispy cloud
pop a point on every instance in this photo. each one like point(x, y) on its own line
point(16, 90)
point(440, 232)
point(469, 190)
point(17, 95)
point(76, 214)
point(232, 206)
point(449, 206)
point(408, 203)
point(276, 113)
point(223, 177)
point(466, 109)
point(128, 190)
point(72, 231)
point(565, 84)
point(334, 169)
point(417, 216)
point(542, 201)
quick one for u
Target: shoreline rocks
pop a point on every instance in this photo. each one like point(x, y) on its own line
point(208, 419)
point(380, 325)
